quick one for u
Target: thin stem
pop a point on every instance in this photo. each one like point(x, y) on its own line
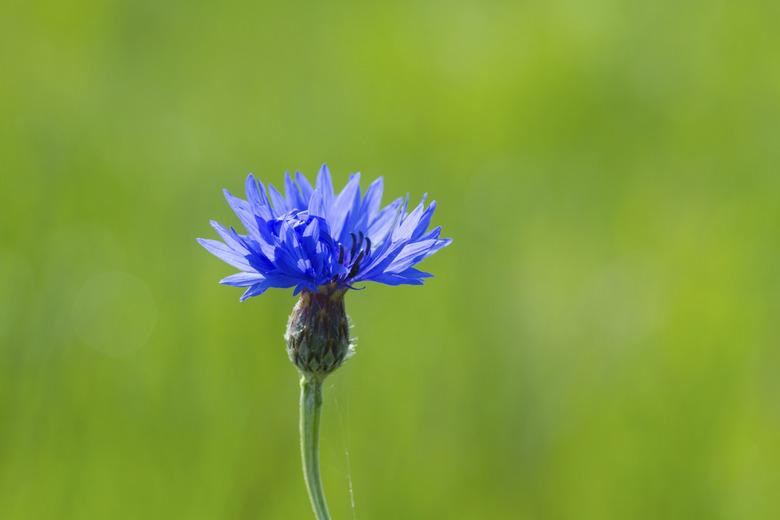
point(311, 404)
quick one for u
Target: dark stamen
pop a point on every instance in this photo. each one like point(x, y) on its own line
point(354, 246)
point(341, 254)
point(355, 266)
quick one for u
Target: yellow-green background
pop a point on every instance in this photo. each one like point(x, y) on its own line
point(600, 341)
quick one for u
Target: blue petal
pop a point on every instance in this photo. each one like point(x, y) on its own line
point(434, 233)
point(305, 186)
point(255, 290)
point(325, 185)
point(231, 241)
point(414, 253)
point(345, 203)
point(279, 202)
point(396, 279)
point(242, 279)
point(259, 252)
point(292, 194)
point(258, 201)
point(289, 256)
point(410, 276)
point(373, 198)
point(243, 211)
point(379, 227)
point(317, 207)
point(424, 222)
point(225, 254)
point(409, 222)
point(266, 240)
point(380, 260)
point(309, 241)
point(415, 273)
point(402, 256)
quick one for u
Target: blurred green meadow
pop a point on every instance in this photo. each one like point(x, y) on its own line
point(599, 342)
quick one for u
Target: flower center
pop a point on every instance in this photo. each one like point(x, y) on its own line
point(351, 255)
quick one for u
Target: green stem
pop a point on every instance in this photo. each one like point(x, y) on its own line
point(311, 404)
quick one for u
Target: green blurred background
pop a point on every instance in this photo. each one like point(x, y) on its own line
point(600, 341)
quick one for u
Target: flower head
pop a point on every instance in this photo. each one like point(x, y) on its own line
point(313, 239)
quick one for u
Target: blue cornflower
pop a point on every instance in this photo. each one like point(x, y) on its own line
point(312, 239)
